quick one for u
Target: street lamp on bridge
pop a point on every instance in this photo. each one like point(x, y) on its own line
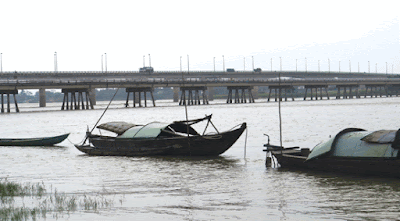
point(350, 66)
point(369, 68)
point(149, 61)
point(55, 62)
point(105, 61)
point(223, 63)
point(214, 64)
point(306, 64)
point(329, 65)
point(252, 58)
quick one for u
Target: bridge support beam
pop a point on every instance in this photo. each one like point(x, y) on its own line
point(375, 90)
point(281, 91)
point(7, 93)
point(138, 91)
point(176, 94)
point(76, 104)
point(347, 91)
point(316, 88)
point(92, 96)
point(240, 97)
point(255, 92)
point(211, 93)
point(42, 97)
point(194, 94)
point(393, 90)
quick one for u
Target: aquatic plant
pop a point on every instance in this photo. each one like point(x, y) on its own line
point(14, 206)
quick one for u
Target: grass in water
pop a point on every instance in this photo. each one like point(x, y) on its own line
point(31, 201)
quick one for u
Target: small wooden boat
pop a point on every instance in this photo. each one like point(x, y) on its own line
point(352, 150)
point(39, 141)
point(176, 139)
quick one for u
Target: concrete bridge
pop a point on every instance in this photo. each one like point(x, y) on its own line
point(195, 84)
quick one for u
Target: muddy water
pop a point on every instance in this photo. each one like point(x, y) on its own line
point(225, 187)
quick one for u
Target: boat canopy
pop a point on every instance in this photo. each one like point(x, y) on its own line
point(353, 142)
point(152, 130)
point(118, 127)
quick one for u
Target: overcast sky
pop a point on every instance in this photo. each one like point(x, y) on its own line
point(349, 32)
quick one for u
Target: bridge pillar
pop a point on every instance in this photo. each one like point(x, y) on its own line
point(211, 93)
point(281, 92)
point(393, 90)
point(138, 91)
point(315, 88)
point(7, 93)
point(255, 92)
point(240, 94)
point(92, 95)
point(42, 97)
point(375, 90)
point(76, 104)
point(348, 88)
point(176, 94)
point(194, 94)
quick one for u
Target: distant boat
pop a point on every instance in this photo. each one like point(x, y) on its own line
point(39, 141)
point(177, 139)
point(352, 150)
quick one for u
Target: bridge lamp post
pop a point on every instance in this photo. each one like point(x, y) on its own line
point(306, 63)
point(271, 64)
point(386, 68)
point(319, 68)
point(55, 62)
point(144, 62)
point(358, 67)
point(105, 60)
point(223, 63)
point(369, 68)
point(102, 63)
point(329, 65)
point(149, 61)
point(214, 64)
point(252, 58)
point(350, 66)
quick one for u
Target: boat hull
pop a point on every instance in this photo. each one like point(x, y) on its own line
point(41, 141)
point(207, 145)
point(386, 167)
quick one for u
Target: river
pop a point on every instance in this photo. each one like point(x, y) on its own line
point(227, 187)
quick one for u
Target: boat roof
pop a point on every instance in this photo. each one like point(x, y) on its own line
point(354, 142)
point(151, 130)
point(118, 127)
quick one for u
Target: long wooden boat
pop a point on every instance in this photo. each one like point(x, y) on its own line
point(178, 138)
point(352, 150)
point(39, 141)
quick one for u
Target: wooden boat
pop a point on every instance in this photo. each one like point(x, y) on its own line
point(352, 150)
point(39, 141)
point(177, 139)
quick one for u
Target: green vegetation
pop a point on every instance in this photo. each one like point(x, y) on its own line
point(31, 201)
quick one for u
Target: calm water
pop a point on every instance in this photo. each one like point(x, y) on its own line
point(226, 187)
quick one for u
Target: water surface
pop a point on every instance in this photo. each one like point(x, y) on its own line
point(225, 187)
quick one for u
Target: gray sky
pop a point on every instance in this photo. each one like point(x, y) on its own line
point(352, 32)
